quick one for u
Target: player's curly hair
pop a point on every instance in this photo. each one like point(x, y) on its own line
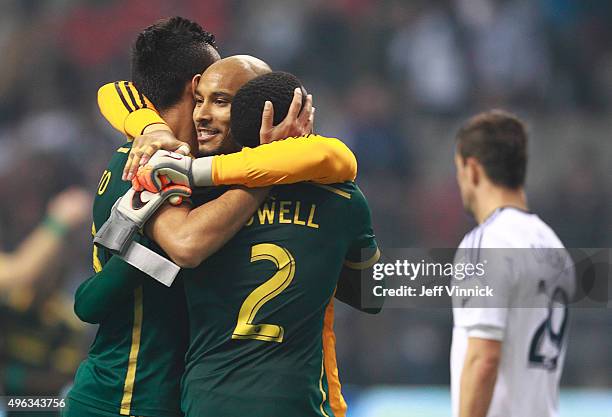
point(498, 140)
point(166, 55)
point(248, 104)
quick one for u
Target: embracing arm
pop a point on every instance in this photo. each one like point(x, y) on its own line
point(127, 110)
point(189, 236)
point(313, 158)
point(355, 285)
point(350, 289)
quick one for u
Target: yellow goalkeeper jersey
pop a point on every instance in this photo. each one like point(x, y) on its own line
point(313, 158)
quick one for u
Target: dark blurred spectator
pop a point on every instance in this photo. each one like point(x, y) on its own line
point(326, 53)
point(426, 56)
point(584, 220)
point(580, 38)
point(507, 50)
point(373, 129)
point(281, 42)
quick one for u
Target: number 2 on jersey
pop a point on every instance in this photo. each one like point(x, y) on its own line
point(285, 264)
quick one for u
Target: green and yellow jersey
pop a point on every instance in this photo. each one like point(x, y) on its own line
point(261, 312)
point(137, 358)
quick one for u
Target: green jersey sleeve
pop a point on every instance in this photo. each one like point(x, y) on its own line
point(98, 296)
point(363, 251)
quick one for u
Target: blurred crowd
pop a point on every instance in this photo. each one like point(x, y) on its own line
point(391, 78)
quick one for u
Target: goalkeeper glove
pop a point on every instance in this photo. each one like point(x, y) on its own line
point(131, 212)
point(176, 168)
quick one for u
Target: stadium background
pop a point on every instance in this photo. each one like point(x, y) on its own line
point(393, 79)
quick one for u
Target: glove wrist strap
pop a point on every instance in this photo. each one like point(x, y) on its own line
point(201, 172)
point(116, 233)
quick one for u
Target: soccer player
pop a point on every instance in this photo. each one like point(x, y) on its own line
point(136, 360)
point(508, 350)
point(261, 309)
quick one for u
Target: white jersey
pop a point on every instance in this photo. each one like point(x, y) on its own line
point(533, 338)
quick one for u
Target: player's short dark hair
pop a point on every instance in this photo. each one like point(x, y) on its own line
point(248, 104)
point(498, 140)
point(166, 55)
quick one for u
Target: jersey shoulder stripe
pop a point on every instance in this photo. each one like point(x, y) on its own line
point(364, 264)
point(122, 97)
point(334, 190)
point(128, 88)
point(141, 96)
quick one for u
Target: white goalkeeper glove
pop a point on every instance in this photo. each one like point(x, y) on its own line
point(169, 167)
point(131, 212)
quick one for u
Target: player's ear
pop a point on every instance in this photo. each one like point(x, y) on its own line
point(194, 83)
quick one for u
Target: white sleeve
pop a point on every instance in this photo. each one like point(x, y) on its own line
point(485, 316)
point(486, 332)
point(486, 323)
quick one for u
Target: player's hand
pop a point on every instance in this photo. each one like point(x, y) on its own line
point(155, 137)
point(71, 207)
point(162, 169)
point(295, 124)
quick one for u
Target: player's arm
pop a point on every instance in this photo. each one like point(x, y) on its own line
point(478, 376)
point(350, 289)
point(359, 262)
point(99, 295)
point(131, 113)
point(484, 320)
point(127, 110)
point(315, 158)
point(33, 256)
point(189, 236)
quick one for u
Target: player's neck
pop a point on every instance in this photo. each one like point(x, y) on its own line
point(497, 197)
point(181, 126)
